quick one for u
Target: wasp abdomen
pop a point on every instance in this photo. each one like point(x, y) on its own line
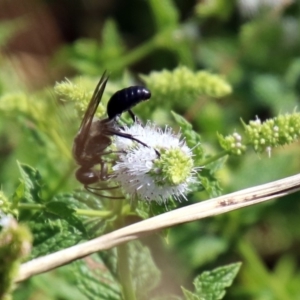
point(124, 99)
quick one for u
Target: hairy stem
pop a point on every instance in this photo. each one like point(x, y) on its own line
point(214, 158)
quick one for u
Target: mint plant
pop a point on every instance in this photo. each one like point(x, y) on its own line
point(219, 91)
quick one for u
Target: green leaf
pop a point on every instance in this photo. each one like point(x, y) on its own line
point(210, 182)
point(193, 139)
point(97, 275)
point(31, 184)
point(145, 211)
point(189, 295)
point(51, 233)
point(18, 194)
point(165, 14)
point(208, 179)
point(64, 211)
point(93, 226)
point(211, 285)
point(112, 46)
point(81, 199)
point(205, 249)
point(145, 274)
point(95, 280)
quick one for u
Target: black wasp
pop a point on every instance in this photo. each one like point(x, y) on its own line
point(94, 135)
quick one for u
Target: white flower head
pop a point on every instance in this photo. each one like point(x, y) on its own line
point(6, 220)
point(148, 176)
point(250, 8)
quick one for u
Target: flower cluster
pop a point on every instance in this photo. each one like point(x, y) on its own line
point(182, 83)
point(80, 91)
point(15, 245)
point(275, 132)
point(232, 143)
point(12, 102)
point(264, 136)
point(146, 174)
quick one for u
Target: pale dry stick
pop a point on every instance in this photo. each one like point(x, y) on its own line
point(186, 214)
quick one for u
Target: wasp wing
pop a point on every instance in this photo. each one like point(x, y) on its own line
point(83, 132)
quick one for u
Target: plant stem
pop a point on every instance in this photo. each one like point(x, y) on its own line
point(134, 55)
point(123, 257)
point(31, 206)
point(82, 212)
point(124, 272)
point(214, 158)
point(93, 213)
point(260, 273)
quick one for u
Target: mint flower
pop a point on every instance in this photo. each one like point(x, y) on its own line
point(6, 220)
point(232, 143)
point(264, 136)
point(144, 175)
point(183, 86)
point(80, 91)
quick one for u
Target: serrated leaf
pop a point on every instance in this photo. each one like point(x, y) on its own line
point(167, 297)
point(51, 233)
point(209, 182)
point(211, 285)
point(63, 211)
point(193, 139)
point(95, 280)
point(97, 275)
point(18, 195)
point(217, 164)
point(145, 274)
point(182, 122)
point(94, 226)
point(145, 211)
point(189, 295)
point(81, 199)
point(32, 181)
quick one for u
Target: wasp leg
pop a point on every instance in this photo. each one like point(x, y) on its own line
point(103, 176)
point(104, 188)
point(134, 117)
point(91, 190)
point(112, 151)
point(131, 137)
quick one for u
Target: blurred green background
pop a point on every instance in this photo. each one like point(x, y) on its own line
point(255, 45)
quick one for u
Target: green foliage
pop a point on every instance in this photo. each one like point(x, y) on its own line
point(31, 185)
point(212, 284)
point(88, 55)
point(55, 226)
point(221, 9)
point(95, 280)
point(245, 56)
point(165, 14)
point(207, 175)
point(192, 138)
point(97, 275)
